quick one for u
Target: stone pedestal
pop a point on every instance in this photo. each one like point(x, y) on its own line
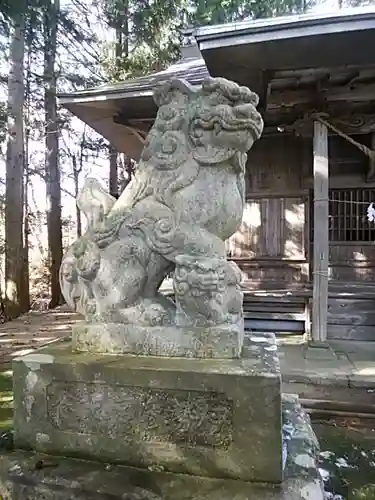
point(204, 417)
point(33, 476)
point(222, 341)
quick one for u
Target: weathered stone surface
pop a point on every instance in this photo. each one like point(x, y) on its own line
point(263, 347)
point(222, 341)
point(153, 414)
point(186, 198)
point(215, 418)
point(302, 446)
point(67, 479)
point(196, 409)
point(28, 476)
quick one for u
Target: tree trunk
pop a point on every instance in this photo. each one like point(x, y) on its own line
point(53, 188)
point(26, 220)
point(121, 52)
point(113, 174)
point(126, 172)
point(76, 172)
point(26, 232)
point(16, 294)
point(122, 33)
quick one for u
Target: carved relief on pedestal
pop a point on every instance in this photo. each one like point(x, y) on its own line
point(195, 418)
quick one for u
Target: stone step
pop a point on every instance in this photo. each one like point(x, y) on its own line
point(32, 476)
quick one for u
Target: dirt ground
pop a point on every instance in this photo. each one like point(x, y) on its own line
point(34, 329)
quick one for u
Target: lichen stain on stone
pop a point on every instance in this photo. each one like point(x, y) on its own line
point(305, 461)
point(271, 347)
point(34, 360)
point(28, 402)
point(30, 382)
point(311, 491)
point(42, 438)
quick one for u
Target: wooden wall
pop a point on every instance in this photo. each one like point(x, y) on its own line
point(271, 245)
point(352, 263)
point(274, 243)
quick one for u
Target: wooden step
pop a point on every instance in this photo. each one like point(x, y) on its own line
point(256, 315)
point(275, 326)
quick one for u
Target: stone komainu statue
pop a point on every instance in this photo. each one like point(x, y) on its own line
point(186, 198)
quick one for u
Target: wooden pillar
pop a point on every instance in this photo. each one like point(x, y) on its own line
point(321, 243)
point(371, 167)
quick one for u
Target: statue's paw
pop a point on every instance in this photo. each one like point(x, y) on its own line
point(155, 311)
point(156, 315)
point(149, 312)
point(91, 307)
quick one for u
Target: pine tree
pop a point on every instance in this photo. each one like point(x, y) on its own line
point(52, 170)
point(16, 293)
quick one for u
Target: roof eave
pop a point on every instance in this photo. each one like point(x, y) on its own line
point(100, 95)
point(245, 32)
point(194, 72)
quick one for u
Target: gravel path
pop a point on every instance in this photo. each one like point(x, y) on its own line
point(34, 329)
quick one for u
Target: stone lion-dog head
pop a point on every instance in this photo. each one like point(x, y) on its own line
point(213, 124)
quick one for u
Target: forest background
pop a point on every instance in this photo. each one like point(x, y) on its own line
point(49, 47)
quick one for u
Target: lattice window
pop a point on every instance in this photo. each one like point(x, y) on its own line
point(348, 215)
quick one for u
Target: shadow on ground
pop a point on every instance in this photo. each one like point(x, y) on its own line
point(347, 459)
point(33, 330)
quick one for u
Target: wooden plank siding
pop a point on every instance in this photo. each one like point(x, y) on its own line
point(271, 228)
point(352, 262)
point(271, 241)
point(351, 319)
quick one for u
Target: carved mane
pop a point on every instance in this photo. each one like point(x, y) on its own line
point(182, 138)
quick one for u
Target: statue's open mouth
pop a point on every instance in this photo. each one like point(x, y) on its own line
point(242, 117)
point(226, 118)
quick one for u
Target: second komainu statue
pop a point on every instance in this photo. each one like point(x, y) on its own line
point(186, 199)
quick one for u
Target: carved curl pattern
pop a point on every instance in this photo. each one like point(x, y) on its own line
point(186, 198)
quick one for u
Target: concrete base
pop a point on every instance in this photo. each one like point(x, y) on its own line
point(34, 477)
point(319, 352)
point(205, 417)
point(223, 341)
